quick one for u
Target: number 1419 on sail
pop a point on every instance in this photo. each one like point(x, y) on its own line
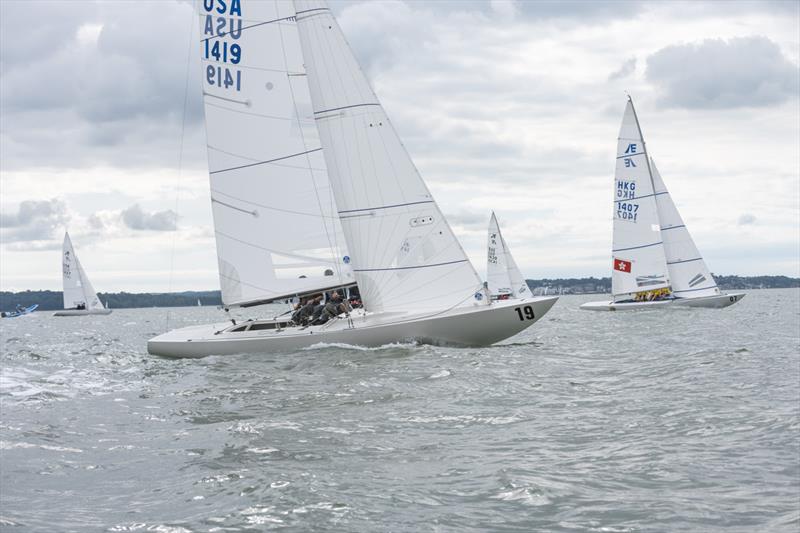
point(222, 77)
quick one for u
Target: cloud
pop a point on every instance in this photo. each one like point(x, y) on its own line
point(715, 73)
point(34, 221)
point(625, 70)
point(137, 219)
point(747, 219)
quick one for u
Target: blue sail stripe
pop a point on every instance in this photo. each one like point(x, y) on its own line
point(408, 267)
point(640, 197)
point(685, 261)
point(637, 247)
point(344, 107)
point(700, 289)
point(384, 207)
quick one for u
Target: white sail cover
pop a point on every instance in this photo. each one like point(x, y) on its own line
point(502, 274)
point(405, 256)
point(688, 272)
point(77, 288)
point(639, 263)
point(275, 221)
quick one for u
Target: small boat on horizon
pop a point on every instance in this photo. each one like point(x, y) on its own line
point(19, 311)
point(80, 298)
point(503, 276)
point(655, 261)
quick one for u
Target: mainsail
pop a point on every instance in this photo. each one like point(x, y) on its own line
point(405, 256)
point(639, 263)
point(275, 220)
point(502, 274)
point(78, 289)
point(688, 272)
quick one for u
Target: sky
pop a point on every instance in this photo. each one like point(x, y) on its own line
point(511, 106)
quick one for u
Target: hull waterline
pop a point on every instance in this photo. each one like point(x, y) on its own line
point(711, 302)
point(474, 326)
point(82, 312)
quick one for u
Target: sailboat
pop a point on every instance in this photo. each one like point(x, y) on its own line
point(312, 190)
point(655, 260)
point(502, 273)
point(79, 296)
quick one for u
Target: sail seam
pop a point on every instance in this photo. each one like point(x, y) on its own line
point(685, 261)
point(222, 35)
point(408, 267)
point(700, 289)
point(385, 207)
point(344, 107)
point(640, 197)
point(625, 156)
point(673, 227)
point(266, 162)
point(637, 247)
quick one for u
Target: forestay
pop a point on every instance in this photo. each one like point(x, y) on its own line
point(639, 263)
point(502, 274)
point(77, 288)
point(405, 256)
point(688, 272)
point(275, 221)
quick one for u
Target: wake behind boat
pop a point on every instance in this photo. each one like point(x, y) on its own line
point(80, 298)
point(655, 261)
point(313, 190)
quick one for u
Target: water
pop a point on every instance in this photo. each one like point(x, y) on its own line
point(683, 420)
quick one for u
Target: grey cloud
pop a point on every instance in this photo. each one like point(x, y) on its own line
point(137, 219)
point(468, 219)
point(747, 219)
point(718, 74)
point(625, 70)
point(34, 221)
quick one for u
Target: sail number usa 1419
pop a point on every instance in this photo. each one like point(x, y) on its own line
point(223, 21)
point(525, 313)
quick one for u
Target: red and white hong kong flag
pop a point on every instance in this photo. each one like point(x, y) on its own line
point(622, 265)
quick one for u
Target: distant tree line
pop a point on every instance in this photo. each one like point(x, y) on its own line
point(52, 300)
point(603, 285)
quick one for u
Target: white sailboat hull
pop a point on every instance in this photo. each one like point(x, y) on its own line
point(717, 302)
point(474, 326)
point(82, 312)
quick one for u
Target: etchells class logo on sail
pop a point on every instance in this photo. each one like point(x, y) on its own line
point(223, 21)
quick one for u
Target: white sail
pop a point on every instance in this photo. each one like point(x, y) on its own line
point(78, 289)
point(639, 263)
point(688, 272)
point(502, 274)
point(275, 221)
point(405, 256)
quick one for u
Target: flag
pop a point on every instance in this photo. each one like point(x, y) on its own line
point(622, 265)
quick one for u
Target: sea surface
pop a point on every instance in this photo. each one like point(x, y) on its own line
point(662, 420)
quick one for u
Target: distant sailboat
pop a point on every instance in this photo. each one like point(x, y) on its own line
point(502, 274)
point(79, 296)
point(198, 303)
point(655, 260)
point(313, 190)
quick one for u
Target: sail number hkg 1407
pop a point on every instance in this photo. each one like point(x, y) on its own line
point(215, 28)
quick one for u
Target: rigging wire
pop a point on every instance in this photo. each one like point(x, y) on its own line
point(180, 155)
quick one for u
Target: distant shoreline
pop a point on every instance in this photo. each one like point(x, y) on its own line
point(53, 300)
